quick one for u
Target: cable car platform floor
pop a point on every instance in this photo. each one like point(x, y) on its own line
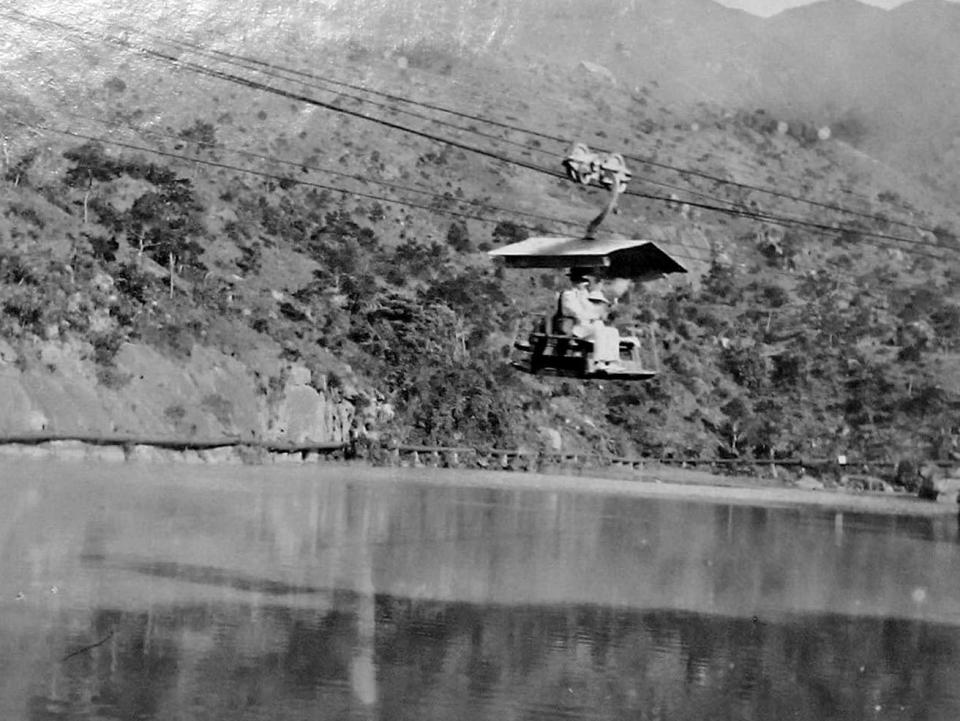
point(569, 356)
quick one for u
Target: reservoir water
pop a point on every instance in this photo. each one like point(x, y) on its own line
point(328, 592)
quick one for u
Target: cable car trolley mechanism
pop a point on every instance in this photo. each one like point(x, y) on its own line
point(573, 340)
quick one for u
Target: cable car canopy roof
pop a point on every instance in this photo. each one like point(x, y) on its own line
point(638, 259)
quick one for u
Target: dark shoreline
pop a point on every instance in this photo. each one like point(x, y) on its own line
point(498, 469)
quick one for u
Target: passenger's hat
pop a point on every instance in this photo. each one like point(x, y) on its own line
point(578, 275)
point(597, 296)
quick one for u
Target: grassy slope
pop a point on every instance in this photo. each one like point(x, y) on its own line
point(721, 390)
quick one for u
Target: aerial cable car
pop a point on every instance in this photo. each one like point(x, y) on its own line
point(557, 344)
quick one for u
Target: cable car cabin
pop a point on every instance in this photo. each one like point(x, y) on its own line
point(551, 347)
point(563, 354)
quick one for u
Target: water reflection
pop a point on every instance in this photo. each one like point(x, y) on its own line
point(445, 660)
point(268, 597)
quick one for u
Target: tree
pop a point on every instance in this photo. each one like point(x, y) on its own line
point(746, 365)
point(508, 232)
point(461, 402)
point(741, 428)
point(720, 283)
point(18, 172)
point(90, 163)
point(416, 261)
point(480, 302)
point(443, 396)
point(344, 251)
point(202, 136)
point(458, 238)
point(164, 224)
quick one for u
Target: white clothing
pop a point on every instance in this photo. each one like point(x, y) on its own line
point(588, 323)
point(575, 304)
point(606, 340)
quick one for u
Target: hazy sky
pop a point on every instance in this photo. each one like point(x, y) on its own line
point(771, 7)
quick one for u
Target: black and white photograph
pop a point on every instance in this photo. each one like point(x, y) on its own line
point(480, 360)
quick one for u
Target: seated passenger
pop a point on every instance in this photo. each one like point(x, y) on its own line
point(601, 308)
point(581, 313)
point(606, 339)
point(573, 308)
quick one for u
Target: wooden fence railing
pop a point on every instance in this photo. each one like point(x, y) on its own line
point(455, 456)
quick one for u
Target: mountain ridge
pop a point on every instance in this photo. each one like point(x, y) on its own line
point(893, 73)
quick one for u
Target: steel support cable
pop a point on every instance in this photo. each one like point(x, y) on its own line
point(201, 50)
point(236, 79)
point(395, 186)
point(252, 64)
point(200, 69)
point(310, 184)
point(189, 159)
point(882, 241)
point(264, 174)
point(527, 148)
point(778, 193)
point(232, 57)
point(392, 109)
point(273, 69)
point(774, 219)
point(508, 126)
point(318, 169)
point(343, 191)
point(209, 71)
point(247, 64)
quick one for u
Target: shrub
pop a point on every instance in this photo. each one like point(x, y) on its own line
point(458, 238)
point(115, 85)
point(508, 232)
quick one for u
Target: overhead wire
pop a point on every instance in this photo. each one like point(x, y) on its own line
point(190, 159)
point(277, 72)
point(705, 256)
point(203, 70)
point(256, 85)
point(476, 217)
point(733, 210)
point(274, 70)
point(300, 165)
point(396, 186)
point(272, 176)
point(530, 166)
point(271, 69)
point(304, 167)
point(280, 178)
point(310, 184)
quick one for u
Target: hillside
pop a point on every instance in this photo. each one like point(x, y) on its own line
point(151, 210)
point(883, 80)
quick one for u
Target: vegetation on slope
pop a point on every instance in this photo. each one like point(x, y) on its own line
point(779, 343)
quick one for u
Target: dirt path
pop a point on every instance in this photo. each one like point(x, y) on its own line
point(700, 487)
point(655, 482)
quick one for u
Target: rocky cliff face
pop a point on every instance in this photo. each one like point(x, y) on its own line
point(208, 396)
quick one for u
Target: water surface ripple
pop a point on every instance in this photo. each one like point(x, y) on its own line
point(340, 593)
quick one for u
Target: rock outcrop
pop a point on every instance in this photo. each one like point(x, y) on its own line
point(206, 396)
